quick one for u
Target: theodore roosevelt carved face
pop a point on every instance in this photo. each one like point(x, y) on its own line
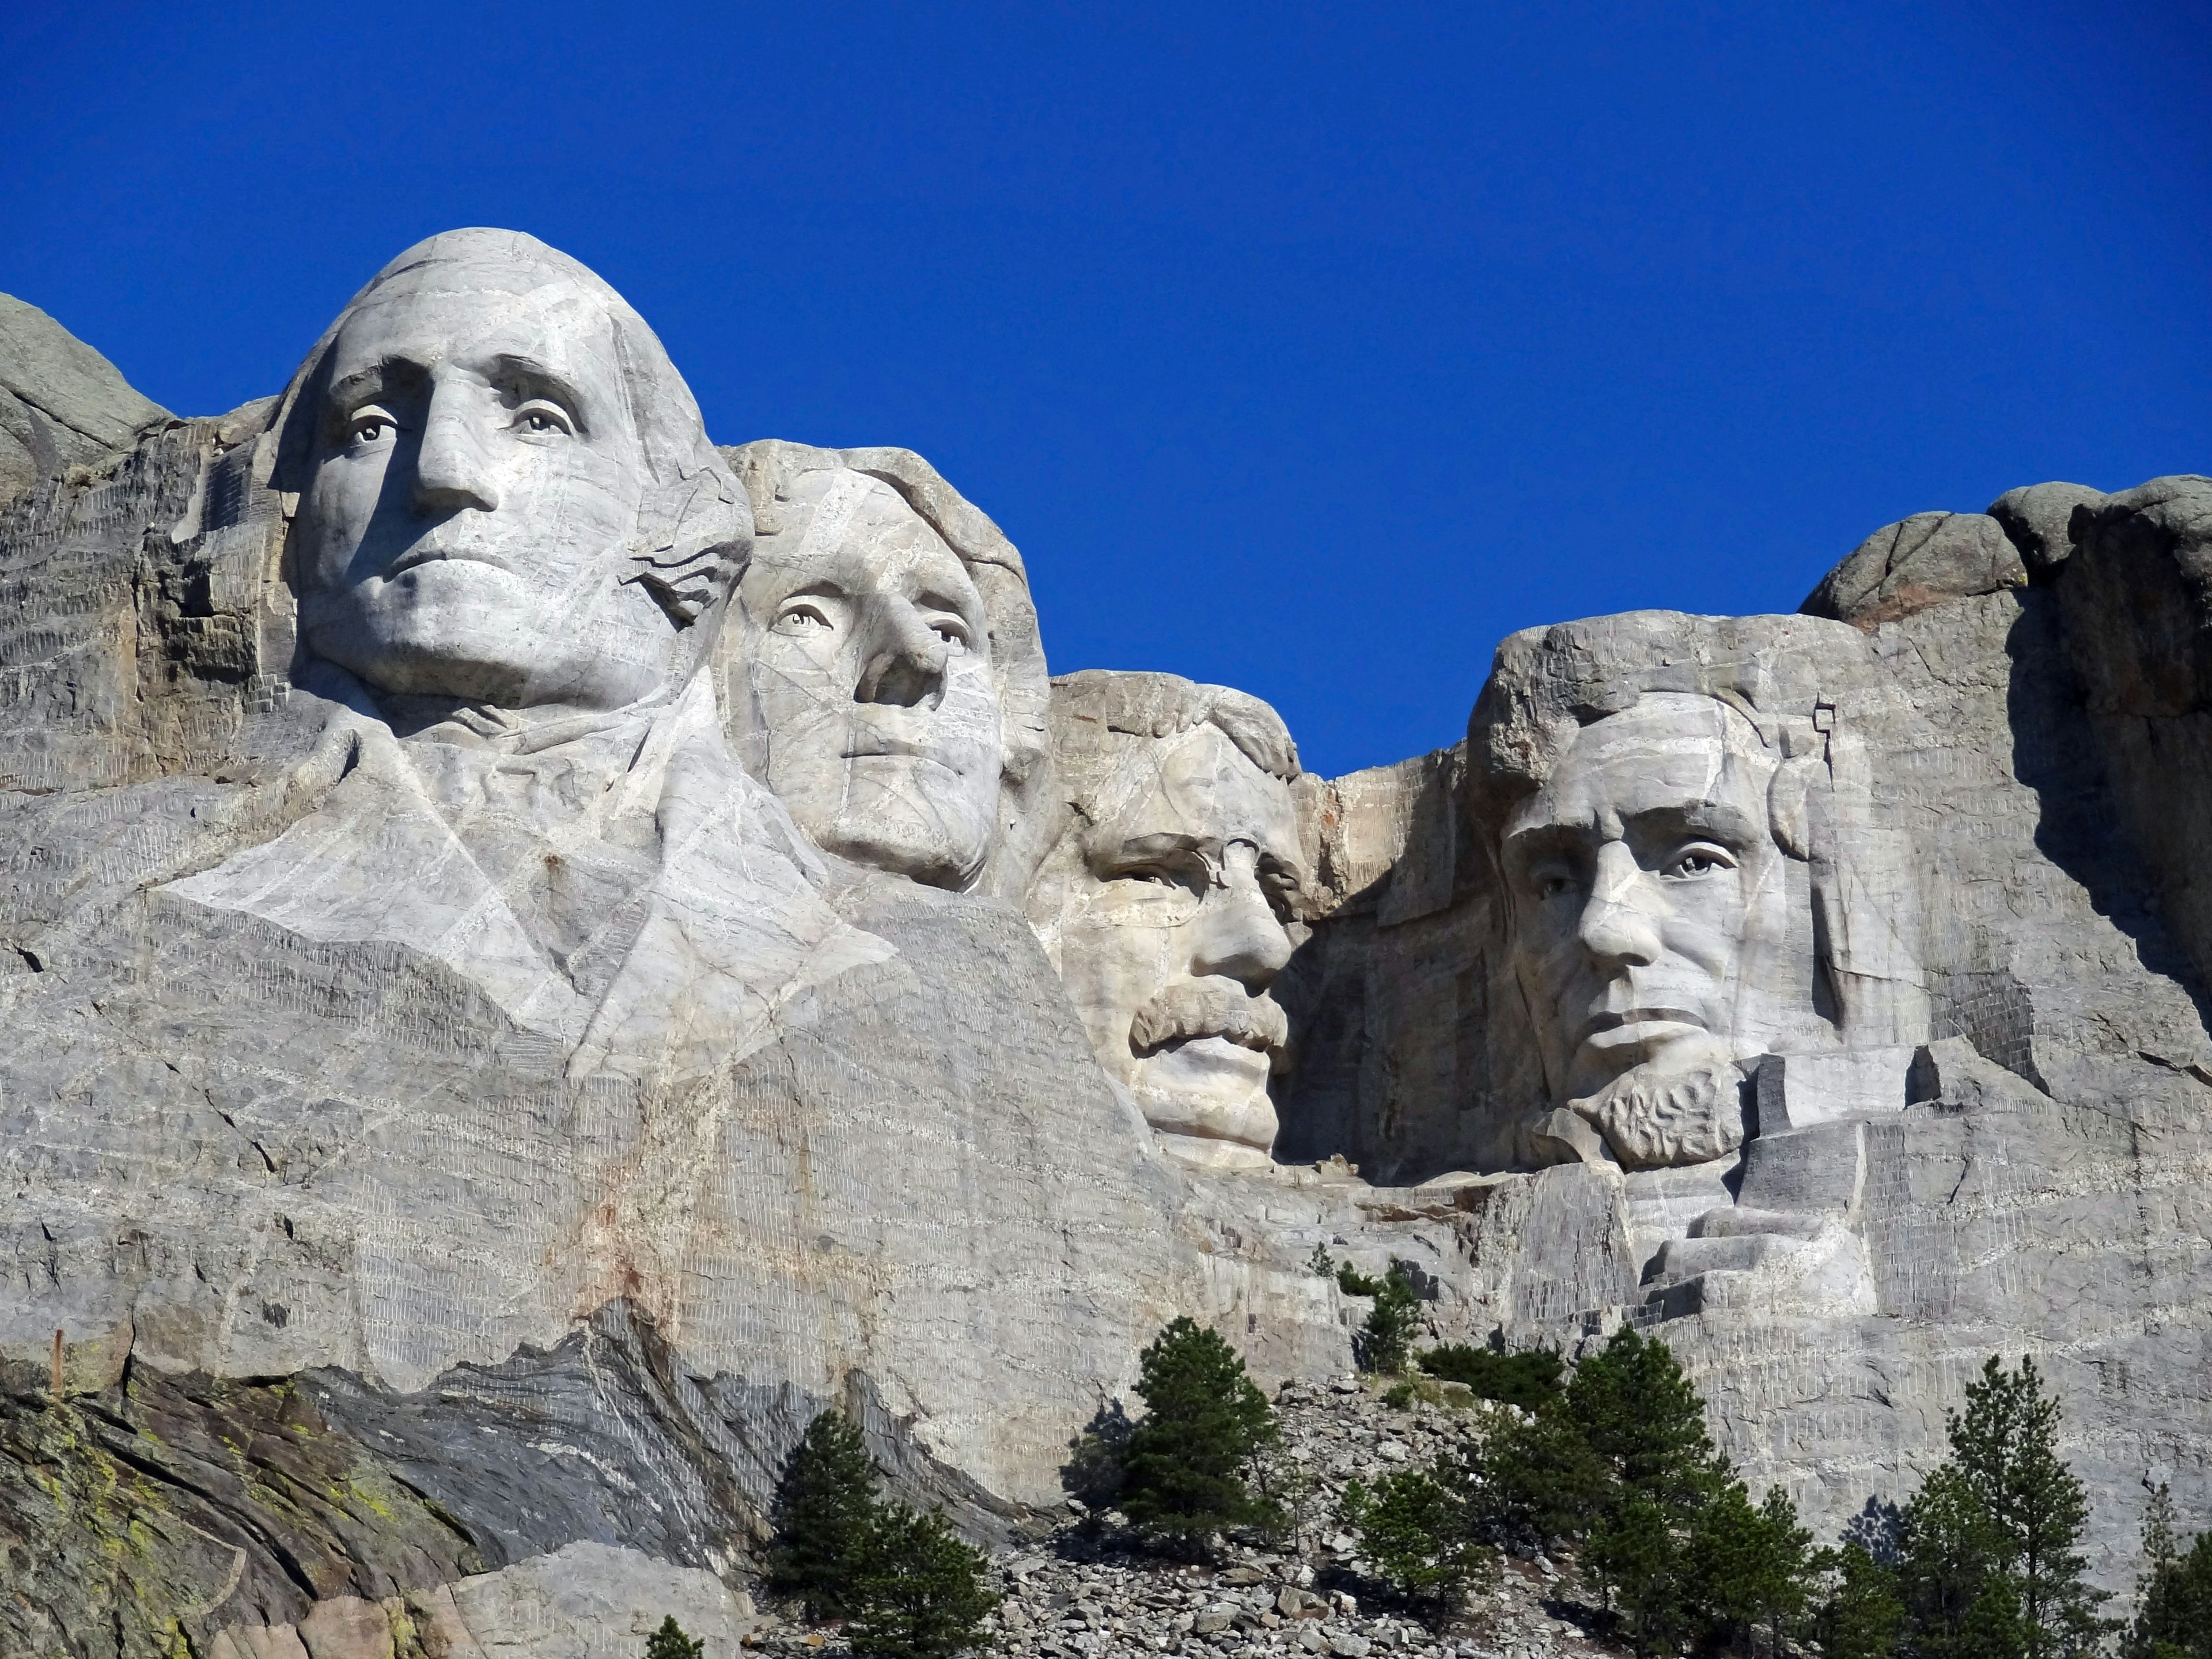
point(1651, 923)
point(1164, 905)
point(472, 448)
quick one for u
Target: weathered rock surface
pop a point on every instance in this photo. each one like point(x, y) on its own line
point(62, 404)
point(451, 1149)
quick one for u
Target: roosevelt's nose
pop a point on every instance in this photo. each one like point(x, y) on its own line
point(1237, 934)
point(453, 472)
point(1616, 928)
point(905, 665)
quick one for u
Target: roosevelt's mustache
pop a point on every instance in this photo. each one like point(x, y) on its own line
point(1213, 1006)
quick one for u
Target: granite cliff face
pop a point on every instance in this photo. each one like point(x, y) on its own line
point(492, 1052)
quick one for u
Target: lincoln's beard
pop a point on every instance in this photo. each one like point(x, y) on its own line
point(1657, 1119)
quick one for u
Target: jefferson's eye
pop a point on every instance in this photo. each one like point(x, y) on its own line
point(801, 619)
point(1699, 861)
point(543, 418)
point(953, 634)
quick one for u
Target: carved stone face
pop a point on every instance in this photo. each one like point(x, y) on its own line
point(1172, 934)
point(1651, 908)
point(869, 659)
point(476, 476)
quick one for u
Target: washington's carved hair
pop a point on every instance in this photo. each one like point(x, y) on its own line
point(693, 522)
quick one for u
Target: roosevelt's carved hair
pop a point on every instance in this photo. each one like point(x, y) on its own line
point(1097, 712)
point(695, 524)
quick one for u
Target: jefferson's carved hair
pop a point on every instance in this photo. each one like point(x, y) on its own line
point(695, 524)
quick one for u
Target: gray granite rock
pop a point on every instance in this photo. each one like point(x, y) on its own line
point(62, 404)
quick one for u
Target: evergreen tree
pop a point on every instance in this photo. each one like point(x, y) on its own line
point(1634, 1552)
point(2174, 1613)
point(1640, 1417)
point(1748, 1566)
point(1991, 1568)
point(1386, 1341)
point(1528, 1379)
point(1536, 1479)
point(670, 1642)
point(821, 1514)
point(1861, 1616)
point(917, 1592)
point(1415, 1529)
point(1184, 1476)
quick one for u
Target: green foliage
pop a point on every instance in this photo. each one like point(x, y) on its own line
point(2174, 1613)
point(1640, 1417)
point(1319, 1265)
point(1539, 1480)
point(1416, 1530)
point(1398, 1396)
point(1386, 1341)
point(1749, 1567)
point(1188, 1455)
point(822, 1513)
point(1860, 1616)
point(670, 1642)
point(1989, 1569)
point(917, 1592)
point(1529, 1379)
point(1353, 1282)
point(1097, 1460)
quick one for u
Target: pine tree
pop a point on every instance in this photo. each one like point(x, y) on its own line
point(1861, 1616)
point(1536, 1479)
point(2174, 1613)
point(1640, 1414)
point(1748, 1565)
point(1415, 1528)
point(1386, 1341)
point(822, 1511)
point(917, 1592)
point(1991, 1568)
point(1184, 1478)
point(670, 1642)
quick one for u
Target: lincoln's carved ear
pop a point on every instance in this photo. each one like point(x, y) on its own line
point(1789, 811)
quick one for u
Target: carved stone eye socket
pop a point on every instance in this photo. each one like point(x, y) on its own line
point(543, 419)
point(370, 427)
point(1695, 861)
point(953, 634)
point(802, 619)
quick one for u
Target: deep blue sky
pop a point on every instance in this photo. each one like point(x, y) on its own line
point(1309, 350)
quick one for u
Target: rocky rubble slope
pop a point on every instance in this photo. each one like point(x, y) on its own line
point(1084, 1589)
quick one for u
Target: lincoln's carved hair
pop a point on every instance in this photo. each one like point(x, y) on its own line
point(694, 523)
point(1795, 682)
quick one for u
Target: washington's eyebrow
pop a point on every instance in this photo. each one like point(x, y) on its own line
point(533, 377)
point(366, 385)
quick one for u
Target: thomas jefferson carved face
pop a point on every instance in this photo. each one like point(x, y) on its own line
point(869, 660)
point(477, 475)
point(1650, 914)
point(1172, 930)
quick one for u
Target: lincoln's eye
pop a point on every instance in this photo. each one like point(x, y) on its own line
point(1699, 862)
point(372, 427)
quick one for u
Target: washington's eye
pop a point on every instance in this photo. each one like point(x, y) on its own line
point(371, 426)
point(1693, 861)
point(801, 619)
point(543, 418)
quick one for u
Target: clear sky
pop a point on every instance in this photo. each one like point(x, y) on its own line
point(1309, 350)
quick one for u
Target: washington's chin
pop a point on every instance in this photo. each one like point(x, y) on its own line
point(1209, 1089)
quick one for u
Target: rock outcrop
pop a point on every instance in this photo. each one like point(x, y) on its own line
point(539, 953)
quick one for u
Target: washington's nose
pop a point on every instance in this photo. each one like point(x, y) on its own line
point(907, 666)
point(452, 473)
point(1616, 928)
point(1238, 937)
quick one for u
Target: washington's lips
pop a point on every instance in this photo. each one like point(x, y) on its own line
point(1212, 1008)
point(421, 554)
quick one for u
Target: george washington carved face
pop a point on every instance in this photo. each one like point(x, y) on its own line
point(472, 472)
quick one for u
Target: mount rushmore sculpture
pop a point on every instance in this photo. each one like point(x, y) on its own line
point(540, 951)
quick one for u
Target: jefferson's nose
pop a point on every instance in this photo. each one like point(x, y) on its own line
point(452, 472)
point(1238, 936)
point(1616, 928)
point(907, 664)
